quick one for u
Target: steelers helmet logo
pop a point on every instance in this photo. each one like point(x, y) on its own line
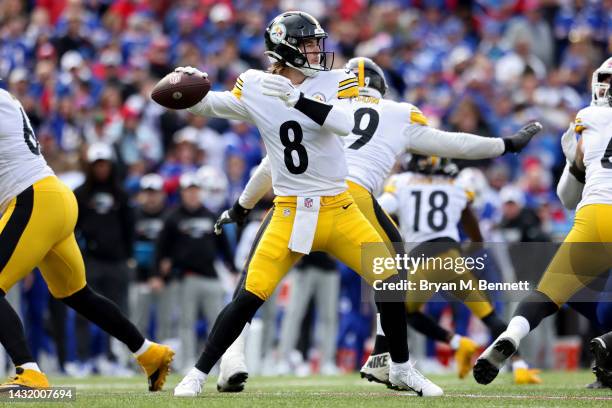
point(278, 32)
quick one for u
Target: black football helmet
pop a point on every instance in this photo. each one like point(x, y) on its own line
point(369, 74)
point(285, 35)
point(432, 166)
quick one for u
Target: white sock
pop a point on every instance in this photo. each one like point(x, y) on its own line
point(379, 330)
point(454, 343)
point(518, 328)
point(31, 366)
point(145, 346)
point(237, 347)
point(194, 372)
point(520, 363)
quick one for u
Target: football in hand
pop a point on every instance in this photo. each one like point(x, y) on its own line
point(178, 90)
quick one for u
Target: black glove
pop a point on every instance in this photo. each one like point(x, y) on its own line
point(237, 214)
point(519, 140)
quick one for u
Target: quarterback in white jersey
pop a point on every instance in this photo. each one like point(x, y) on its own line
point(306, 155)
point(384, 130)
point(39, 214)
point(585, 253)
point(298, 109)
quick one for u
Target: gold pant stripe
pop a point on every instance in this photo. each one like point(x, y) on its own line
point(260, 231)
point(46, 241)
point(14, 223)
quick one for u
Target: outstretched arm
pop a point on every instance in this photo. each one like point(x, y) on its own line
point(429, 141)
point(221, 105)
point(225, 105)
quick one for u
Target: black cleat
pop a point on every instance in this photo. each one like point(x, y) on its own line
point(603, 364)
point(488, 364)
point(596, 385)
point(235, 383)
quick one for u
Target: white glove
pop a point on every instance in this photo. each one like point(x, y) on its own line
point(281, 87)
point(191, 71)
point(569, 143)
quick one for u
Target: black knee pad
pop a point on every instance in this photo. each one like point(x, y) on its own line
point(535, 307)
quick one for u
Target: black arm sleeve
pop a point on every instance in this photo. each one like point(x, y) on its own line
point(315, 110)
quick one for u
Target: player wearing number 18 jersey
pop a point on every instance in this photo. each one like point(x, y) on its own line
point(586, 251)
point(36, 230)
point(431, 204)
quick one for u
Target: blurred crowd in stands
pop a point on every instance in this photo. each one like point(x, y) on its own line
point(83, 70)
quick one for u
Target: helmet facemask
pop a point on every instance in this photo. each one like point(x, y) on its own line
point(601, 88)
point(309, 69)
point(296, 56)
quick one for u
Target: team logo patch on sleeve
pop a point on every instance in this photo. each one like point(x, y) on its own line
point(319, 97)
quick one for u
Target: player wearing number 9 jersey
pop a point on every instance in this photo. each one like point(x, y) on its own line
point(39, 213)
point(297, 107)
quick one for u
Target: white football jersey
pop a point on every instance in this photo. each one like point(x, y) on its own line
point(378, 139)
point(306, 159)
point(21, 163)
point(594, 123)
point(428, 207)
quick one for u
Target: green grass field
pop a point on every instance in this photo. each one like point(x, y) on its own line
point(559, 390)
